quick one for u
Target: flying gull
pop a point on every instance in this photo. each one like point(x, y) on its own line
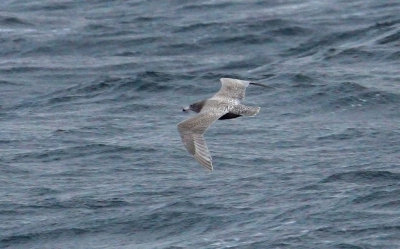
point(225, 104)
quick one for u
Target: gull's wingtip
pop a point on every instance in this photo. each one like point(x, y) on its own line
point(210, 168)
point(258, 84)
point(205, 162)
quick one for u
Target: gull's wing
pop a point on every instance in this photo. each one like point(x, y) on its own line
point(232, 89)
point(192, 130)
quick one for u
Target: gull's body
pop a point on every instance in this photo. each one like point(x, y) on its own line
point(225, 104)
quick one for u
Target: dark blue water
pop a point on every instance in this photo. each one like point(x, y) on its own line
point(91, 92)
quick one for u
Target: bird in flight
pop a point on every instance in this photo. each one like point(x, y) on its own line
point(225, 104)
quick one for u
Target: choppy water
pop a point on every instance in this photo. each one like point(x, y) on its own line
point(91, 92)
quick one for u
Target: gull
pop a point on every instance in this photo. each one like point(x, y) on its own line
point(225, 104)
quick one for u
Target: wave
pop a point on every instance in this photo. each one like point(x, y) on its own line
point(393, 37)
point(301, 80)
point(362, 176)
point(71, 152)
point(109, 89)
point(314, 45)
point(380, 198)
point(77, 202)
point(196, 27)
point(292, 31)
point(348, 133)
point(333, 41)
point(204, 6)
point(49, 6)
point(345, 95)
point(182, 216)
point(55, 233)
point(394, 56)
point(351, 54)
point(178, 48)
point(141, 92)
point(8, 83)
point(237, 38)
point(147, 81)
point(13, 21)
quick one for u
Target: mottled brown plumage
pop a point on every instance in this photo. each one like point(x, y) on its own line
point(225, 104)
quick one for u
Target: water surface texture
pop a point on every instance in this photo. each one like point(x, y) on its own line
point(91, 92)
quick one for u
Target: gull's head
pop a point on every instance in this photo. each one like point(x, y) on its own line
point(186, 109)
point(196, 107)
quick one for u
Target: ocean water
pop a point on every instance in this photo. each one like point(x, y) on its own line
point(91, 92)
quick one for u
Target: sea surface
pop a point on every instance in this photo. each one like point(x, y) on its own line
point(91, 92)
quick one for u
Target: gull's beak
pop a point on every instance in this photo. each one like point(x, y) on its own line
point(185, 109)
point(258, 84)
